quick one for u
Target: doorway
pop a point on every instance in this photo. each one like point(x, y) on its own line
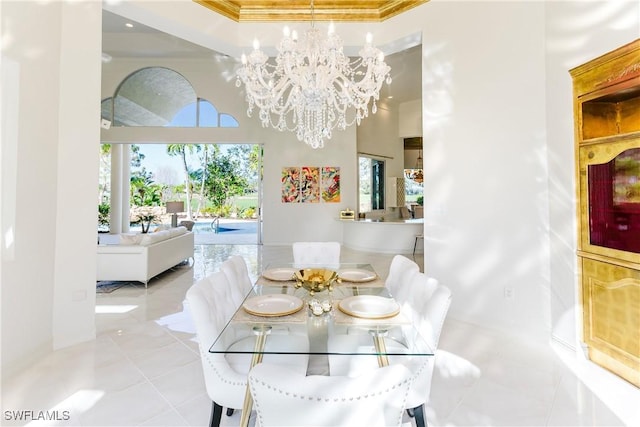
point(220, 186)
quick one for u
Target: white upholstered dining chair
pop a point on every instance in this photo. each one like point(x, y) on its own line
point(286, 398)
point(427, 308)
point(225, 375)
point(316, 254)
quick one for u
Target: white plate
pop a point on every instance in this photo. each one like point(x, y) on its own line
point(357, 275)
point(369, 306)
point(279, 274)
point(273, 305)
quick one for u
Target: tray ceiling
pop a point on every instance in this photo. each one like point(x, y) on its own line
point(300, 10)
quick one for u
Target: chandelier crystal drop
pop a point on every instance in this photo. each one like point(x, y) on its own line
point(312, 88)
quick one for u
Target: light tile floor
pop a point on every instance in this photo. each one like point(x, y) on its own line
point(143, 368)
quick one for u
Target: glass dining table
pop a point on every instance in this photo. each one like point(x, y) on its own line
point(356, 318)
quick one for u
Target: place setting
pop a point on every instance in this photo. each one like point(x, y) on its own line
point(272, 308)
point(368, 310)
point(280, 274)
point(369, 307)
point(356, 275)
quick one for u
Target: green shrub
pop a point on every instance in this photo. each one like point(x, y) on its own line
point(249, 213)
point(209, 211)
point(223, 211)
point(103, 213)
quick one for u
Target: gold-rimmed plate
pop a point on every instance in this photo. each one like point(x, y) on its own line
point(356, 275)
point(273, 305)
point(281, 274)
point(369, 306)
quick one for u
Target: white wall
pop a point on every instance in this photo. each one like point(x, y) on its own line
point(78, 138)
point(410, 118)
point(285, 223)
point(48, 269)
point(575, 33)
point(486, 226)
point(498, 132)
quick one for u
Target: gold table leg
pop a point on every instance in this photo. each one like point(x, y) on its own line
point(381, 348)
point(261, 338)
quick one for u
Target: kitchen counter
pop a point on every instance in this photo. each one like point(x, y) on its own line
point(371, 235)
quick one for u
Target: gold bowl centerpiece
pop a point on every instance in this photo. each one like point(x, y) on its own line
point(315, 279)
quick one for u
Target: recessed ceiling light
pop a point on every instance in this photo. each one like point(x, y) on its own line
point(129, 25)
point(390, 97)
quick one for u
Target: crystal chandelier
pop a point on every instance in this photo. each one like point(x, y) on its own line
point(313, 86)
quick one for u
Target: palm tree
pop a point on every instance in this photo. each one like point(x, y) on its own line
point(205, 159)
point(105, 173)
point(181, 150)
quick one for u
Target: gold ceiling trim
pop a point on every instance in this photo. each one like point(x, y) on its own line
point(299, 10)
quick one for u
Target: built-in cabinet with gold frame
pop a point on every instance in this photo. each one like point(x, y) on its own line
point(607, 138)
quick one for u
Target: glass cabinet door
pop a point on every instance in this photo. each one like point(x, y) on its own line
point(614, 202)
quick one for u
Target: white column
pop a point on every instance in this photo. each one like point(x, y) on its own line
point(78, 152)
point(125, 184)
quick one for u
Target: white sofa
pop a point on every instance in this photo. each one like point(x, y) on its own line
point(140, 257)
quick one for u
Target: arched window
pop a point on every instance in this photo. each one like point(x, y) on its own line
point(158, 96)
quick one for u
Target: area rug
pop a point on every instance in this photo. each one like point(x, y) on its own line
point(108, 286)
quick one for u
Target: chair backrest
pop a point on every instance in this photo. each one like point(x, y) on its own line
point(236, 271)
point(316, 254)
point(242, 271)
point(415, 288)
point(401, 271)
point(208, 301)
point(284, 398)
point(436, 309)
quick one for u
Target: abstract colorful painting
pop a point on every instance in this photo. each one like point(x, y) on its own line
point(331, 184)
point(310, 184)
point(290, 185)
